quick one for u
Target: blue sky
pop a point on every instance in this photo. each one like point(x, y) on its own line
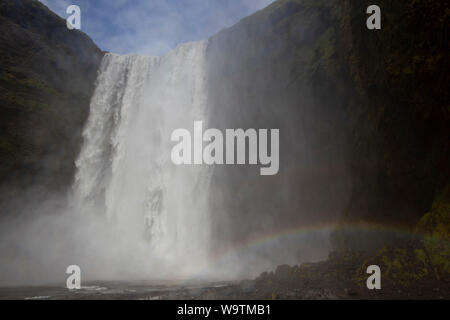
point(154, 26)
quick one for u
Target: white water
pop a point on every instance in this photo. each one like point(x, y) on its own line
point(155, 212)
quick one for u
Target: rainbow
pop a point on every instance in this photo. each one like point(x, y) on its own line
point(297, 232)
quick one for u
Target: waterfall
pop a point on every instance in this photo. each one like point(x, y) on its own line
point(124, 171)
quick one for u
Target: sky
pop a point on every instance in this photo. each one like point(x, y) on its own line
point(154, 27)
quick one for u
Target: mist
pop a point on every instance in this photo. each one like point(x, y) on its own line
point(131, 214)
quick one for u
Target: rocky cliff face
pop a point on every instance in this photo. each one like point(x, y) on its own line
point(364, 114)
point(279, 68)
point(47, 75)
point(399, 116)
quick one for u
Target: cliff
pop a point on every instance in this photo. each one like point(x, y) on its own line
point(364, 114)
point(399, 116)
point(47, 75)
point(365, 126)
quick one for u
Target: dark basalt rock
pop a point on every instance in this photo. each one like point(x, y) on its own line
point(363, 114)
point(47, 76)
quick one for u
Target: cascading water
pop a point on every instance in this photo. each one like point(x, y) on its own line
point(151, 207)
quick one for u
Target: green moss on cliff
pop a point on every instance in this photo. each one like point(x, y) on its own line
point(399, 113)
point(405, 265)
point(436, 227)
point(47, 76)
